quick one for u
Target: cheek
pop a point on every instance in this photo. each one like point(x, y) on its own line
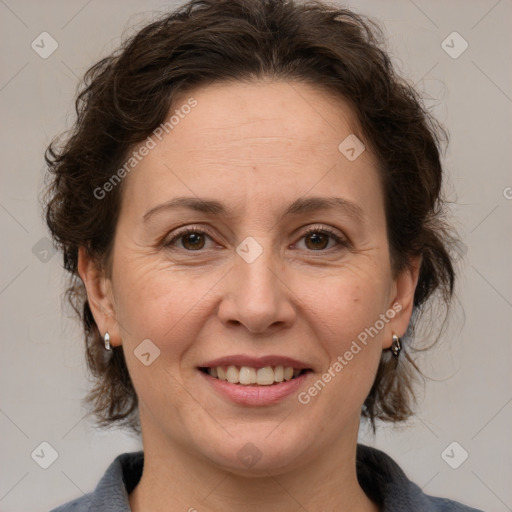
point(350, 302)
point(348, 314)
point(163, 306)
point(153, 299)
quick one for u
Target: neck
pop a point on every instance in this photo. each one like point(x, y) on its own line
point(174, 478)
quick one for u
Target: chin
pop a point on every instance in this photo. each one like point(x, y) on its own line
point(257, 453)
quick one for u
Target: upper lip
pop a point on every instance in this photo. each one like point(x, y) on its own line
point(256, 362)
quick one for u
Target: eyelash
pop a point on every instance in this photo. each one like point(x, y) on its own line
point(314, 229)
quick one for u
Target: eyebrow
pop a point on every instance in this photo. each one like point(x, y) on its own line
point(299, 206)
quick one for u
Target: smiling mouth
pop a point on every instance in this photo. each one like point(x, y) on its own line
point(249, 376)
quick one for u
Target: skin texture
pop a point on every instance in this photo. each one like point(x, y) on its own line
point(256, 148)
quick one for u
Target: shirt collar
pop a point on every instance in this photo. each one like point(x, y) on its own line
point(379, 476)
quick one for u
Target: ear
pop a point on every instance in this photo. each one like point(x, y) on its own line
point(402, 301)
point(99, 295)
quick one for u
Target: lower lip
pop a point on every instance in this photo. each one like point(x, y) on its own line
point(256, 395)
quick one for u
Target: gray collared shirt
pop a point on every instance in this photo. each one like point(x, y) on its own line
point(379, 476)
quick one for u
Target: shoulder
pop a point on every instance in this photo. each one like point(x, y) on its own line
point(388, 486)
point(111, 493)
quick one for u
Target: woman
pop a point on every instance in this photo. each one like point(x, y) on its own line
point(249, 207)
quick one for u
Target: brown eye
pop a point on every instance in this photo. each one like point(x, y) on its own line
point(322, 239)
point(317, 241)
point(193, 241)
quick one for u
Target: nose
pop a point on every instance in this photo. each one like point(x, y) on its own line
point(257, 296)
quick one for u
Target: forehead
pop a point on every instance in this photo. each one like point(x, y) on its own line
point(246, 113)
point(243, 139)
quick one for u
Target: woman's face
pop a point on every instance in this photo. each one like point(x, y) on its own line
point(249, 170)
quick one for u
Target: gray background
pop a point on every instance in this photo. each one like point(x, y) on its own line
point(468, 398)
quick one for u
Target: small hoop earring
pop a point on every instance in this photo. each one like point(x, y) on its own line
point(106, 339)
point(396, 346)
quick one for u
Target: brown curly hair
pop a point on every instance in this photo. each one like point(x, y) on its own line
point(127, 95)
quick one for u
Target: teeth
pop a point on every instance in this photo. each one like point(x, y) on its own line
point(246, 375)
point(232, 374)
point(265, 376)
